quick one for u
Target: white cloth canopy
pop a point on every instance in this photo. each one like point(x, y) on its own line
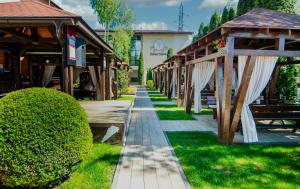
point(94, 80)
point(201, 76)
point(262, 72)
point(173, 84)
point(47, 76)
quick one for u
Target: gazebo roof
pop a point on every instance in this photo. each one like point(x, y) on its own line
point(265, 18)
point(31, 9)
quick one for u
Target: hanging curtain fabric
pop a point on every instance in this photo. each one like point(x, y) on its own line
point(201, 76)
point(235, 81)
point(47, 76)
point(173, 84)
point(211, 83)
point(76, 74)
point(94, 80)
point(262, 72)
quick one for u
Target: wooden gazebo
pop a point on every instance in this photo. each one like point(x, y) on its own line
point(35, 36)
point(255, 39)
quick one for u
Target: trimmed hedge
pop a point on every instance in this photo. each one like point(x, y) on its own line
point(43, 134)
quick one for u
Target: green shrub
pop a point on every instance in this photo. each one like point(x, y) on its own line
point(123, 82)
point(43, 134)
point(150, 84)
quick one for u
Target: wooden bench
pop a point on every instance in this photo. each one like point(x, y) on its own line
point(274, 113)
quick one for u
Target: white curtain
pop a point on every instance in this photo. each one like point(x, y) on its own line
point(47, 76)
point(262, 72)
point(94, 80)
point(235, 81)
point(201, 75)
point(211, 83)
point(173, 84)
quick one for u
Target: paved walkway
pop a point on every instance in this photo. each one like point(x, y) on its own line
point(147, 160)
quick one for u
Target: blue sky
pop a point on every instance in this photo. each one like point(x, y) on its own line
point(156, 14)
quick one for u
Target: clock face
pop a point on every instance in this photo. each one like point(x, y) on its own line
point(159, 45)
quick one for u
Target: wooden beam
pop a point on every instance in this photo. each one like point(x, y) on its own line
point(180, 93)
point(226, 103)
point(102, 81)
point(170, 75)
point(242, 93)
point(219, 78)
point(220, 53)
point(277, 53)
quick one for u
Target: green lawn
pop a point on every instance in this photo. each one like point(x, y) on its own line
point(172, 112)
point(97, 170)
point(127, 97)
point(207, 164)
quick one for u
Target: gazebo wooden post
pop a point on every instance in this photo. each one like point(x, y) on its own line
point(102, 79)
point(160, 73)
point(156, 79)
point(170, 75)
point(272, 86)
point(226, 103)
point(16, 53)
point(189, 88)
point(107, 81)
point(166, 81)
point(180, 93)
point(71, 81)
point(242, 92)
point(117, 81)
point(219, 78)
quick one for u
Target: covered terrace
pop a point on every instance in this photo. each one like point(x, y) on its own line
point(42, 45)
point(239, 63)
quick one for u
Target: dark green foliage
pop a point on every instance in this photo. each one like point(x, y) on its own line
point(231, 14)
point(149, 74)
point(286, 89)
point(122, 81)
point(170, 53)
point(225, 15)
point(141, 69)
point(201, 30)
point(287, 6)
point(43, 134)
point(215, 21)
point(205, 30)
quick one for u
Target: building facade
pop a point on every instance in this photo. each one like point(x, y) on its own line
point(154, 44)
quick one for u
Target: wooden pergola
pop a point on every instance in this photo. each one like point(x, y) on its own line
point(260, 32)
point(34, 35)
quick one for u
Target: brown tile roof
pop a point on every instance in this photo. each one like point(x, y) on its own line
point(264, 18)
point(32, 8)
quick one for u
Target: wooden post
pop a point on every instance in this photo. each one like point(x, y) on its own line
point(108, 84)
point(117, 80)
point(226, 103)
point(274, 80)
point(166, 82)
point(170, 75)
point(30, 71)
point(102, 80)
point(180, 93)
point(189, 89)
point(16, 66)
point(161, 87)
point(242, 92)
point(219, 78)
point(71, 81)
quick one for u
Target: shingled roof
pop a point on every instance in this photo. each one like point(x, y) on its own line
point(28, 9)
point(265, 18)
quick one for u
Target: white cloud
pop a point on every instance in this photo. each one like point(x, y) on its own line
point(151, 26)
point(216, 3)
point(156, 2)
point(81, 8)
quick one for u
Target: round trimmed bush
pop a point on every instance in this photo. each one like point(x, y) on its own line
point(43, 134)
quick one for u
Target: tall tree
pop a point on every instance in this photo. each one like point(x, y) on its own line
point(200, 30)
point(215, 21)
point(205, 30)
point(225, 15)
point(121, 42)
point(170, 53)
point(287, 6)
point(231, 14)
point(141, 71)
point(112, 13)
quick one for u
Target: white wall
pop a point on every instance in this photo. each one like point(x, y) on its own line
point(175, 41)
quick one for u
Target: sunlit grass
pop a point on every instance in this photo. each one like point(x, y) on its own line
point(208, 164)
point(127, 97)
point(97, 170)
point(172, 112)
